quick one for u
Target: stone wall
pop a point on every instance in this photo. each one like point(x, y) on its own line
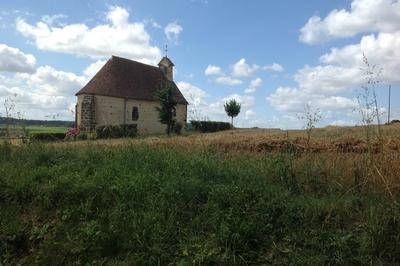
point(86, 112)
point(114, 111)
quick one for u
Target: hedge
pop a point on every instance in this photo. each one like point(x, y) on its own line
point(47, 136)
point(116, 131)
point(209, 126)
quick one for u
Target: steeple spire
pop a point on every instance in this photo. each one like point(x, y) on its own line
point(166, 66)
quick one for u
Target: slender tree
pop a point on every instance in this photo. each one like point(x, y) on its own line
point(232, 108)
point(167, 108)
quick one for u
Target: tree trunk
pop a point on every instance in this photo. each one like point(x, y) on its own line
point(232, 121)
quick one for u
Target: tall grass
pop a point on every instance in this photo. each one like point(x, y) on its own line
point(146, 205)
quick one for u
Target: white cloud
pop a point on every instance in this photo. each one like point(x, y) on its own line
point(93, 68)
point(254, 84)
point(274, 67)
point(197, 108)
point(242, 69)
point(118, 37)
point(382, 50)
point(364, 16)
point(213, 70)
point(226, 80)
point(194, 95)
point(249, 114)
point(50, 19)
point(289, 99)
point(328, 80)
point(153, 23)
point(329, 86)
point(43, 94)
point(341, 68)
point(14, 60)
point(172, 31)
point(49, 81)
point(200, 109)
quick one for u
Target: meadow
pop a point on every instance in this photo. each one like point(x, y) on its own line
point(234, 198)
point(18, 129)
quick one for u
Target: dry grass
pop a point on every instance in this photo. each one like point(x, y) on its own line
point(328, 139)
point(349, 162)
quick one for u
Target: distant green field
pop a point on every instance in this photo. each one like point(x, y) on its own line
point(36, 129)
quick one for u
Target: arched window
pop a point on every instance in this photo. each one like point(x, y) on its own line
point(135, 113)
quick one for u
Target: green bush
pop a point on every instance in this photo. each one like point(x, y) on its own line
point(44, 136)
point(116, 131)
point(178, 128)
point(82, 136)
point(209, 126)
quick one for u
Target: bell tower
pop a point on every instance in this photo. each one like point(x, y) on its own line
point(166, 66)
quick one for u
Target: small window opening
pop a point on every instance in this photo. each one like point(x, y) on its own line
point(135, 113)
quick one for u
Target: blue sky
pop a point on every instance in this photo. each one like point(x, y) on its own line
point(272, 56)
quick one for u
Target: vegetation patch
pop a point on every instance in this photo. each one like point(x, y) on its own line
point(209, 126)
point(146, 205)
point(116, 131)
point(46, 136)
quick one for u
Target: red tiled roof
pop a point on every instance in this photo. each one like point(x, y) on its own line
point(125, 78)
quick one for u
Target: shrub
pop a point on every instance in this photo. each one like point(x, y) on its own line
point(116, 131)
point(72, 133)
point(129, 130)
point(209, 126)
point(178, 128)
point(82, 136)
point(47, 136)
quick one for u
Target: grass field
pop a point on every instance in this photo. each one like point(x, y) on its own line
point(36, 129)
point(236, 197)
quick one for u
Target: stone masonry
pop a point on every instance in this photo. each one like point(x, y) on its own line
point(88, 113)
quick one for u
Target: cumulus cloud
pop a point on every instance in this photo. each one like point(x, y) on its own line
point(331, 85)
point(254, 84)
point(382, 50)
point(198, 108)
point(49, 81)
point(242, 69)
point(50, 19)
point(341, 68)
point(226, 80)
point(364, 16)
point(201, 108)
point(328, 80)
point(249, 114)
point(118, 36)
point(93, 68)
point(193, 94)
point(213, 70)
point(44, 94)
point(14, 60)
point(289, 99)
point(274, 67)
point(172, 31)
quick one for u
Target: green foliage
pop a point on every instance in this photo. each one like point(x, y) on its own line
point(146, 205)
point(116, 131)
point(46, 136)
point(178, 128)
point(167, 108)
point(209, 126)
point(232, 108)
point(82, 136)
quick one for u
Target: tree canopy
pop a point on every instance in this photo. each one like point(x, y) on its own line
point(167, 108)
point(232, 108)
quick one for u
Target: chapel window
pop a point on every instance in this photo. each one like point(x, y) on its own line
point(135, 113)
